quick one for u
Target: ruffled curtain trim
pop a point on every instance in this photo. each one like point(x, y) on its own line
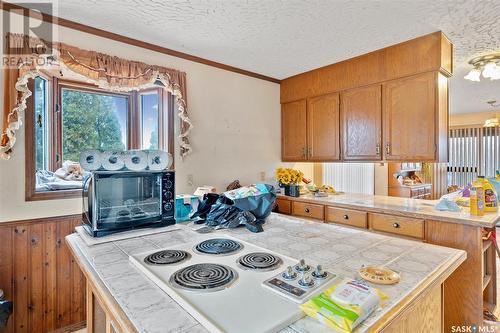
point(105, 71)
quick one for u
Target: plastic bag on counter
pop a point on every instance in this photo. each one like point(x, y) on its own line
point(249, 207)
point(260, 204)
point(344, 305)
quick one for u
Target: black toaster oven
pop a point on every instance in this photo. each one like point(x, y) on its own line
point(115, 201)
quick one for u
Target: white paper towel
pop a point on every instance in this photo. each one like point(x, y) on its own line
point(112, 160)
point(90, 160)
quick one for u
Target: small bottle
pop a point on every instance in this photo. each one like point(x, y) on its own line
point(477, 200)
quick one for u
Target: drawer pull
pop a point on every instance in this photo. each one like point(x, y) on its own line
point(346, 217)
point(396, 225)
point(306, 210)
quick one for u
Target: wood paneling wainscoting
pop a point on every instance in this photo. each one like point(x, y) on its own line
point(39, 275)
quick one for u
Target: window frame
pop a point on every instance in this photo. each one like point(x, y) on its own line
point(134, 128)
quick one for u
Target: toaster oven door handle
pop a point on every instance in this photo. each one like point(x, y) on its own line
point(85, 193)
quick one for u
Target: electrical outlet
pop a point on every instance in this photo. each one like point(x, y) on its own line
point(262, 176)
point(189, 179)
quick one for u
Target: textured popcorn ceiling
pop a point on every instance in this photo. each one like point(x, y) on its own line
point(283, 38)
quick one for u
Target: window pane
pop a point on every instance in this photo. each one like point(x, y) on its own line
point(92, 121)
point(149, 108)
point(41, 124)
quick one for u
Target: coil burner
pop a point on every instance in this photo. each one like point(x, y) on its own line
point(218, 246)
point(166, 257)
point(204, 277)
point(259, 261)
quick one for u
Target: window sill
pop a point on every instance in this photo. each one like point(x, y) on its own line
point(53, 195)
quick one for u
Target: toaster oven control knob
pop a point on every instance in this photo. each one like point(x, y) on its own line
point(289, 274)
point(306, 280)
point(168, 206)
point(168, 195)
point(319, 273)
point(302, 266)
point(168, 184)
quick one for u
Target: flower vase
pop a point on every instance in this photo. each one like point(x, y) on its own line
point(292, 190)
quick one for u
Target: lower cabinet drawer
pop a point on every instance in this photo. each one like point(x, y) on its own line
point(283, 206)
point(403, 226)
point(346, 216)
point(308, 210)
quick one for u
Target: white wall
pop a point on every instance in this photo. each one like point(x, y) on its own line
point(236, 132)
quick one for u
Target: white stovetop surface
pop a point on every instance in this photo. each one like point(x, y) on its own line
point(341, 250)
point(225, 310)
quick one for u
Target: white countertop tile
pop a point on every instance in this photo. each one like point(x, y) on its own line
point(341, 250)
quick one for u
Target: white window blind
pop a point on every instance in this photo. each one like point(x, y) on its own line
point(473, 151)
point(350, 177)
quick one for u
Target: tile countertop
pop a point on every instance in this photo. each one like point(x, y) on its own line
point(341, 250)
point(417, 208)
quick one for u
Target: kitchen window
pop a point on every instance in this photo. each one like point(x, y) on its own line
point(473, 151)
point(65, 117)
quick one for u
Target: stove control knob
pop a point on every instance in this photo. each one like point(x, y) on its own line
point(302, 266)
point(319, 273)
point(306, 280)
point(289, 274)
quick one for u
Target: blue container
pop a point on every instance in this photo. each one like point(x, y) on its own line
point(185, 204)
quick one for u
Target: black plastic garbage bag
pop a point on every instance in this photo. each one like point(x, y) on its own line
point(219, 211)
point(222, 214)
point(260, 205)
point(205, 205)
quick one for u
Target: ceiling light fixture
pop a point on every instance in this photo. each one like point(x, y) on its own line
point(488, 65)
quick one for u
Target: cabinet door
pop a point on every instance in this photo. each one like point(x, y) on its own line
point(410, 112)
point(323, 128)
point(293, 131)
point(361, 112)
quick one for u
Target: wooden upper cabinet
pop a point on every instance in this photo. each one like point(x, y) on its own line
point(411, 113)
point(432, 52)
point(294, 131)
point(323, 128)
point(361, 114)
point(393, 106)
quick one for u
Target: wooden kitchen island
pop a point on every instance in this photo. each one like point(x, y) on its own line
point(470, 288)
point(121, 299)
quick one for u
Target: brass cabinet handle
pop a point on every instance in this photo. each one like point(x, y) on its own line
point(309, 152)
point(396, 225)
point(388, 148)
point(346, 217)
point(306, 210)
point(377, 149)
point(304, 152)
